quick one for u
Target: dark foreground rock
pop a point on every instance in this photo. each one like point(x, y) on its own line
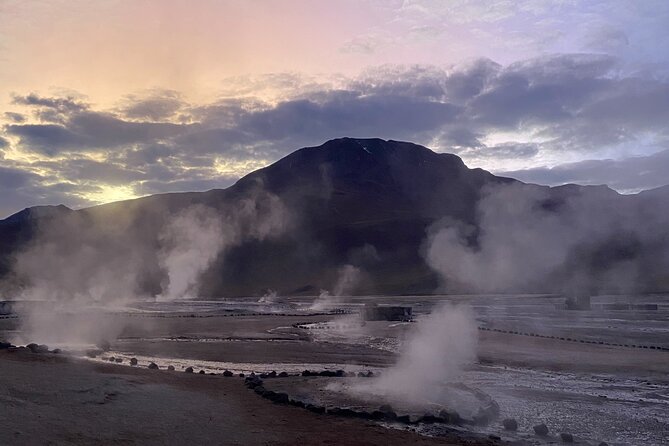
point(35, 348)
point(510, 424)
point(189, 370)
point(541, 430)
point(153, 366)
point(567, 437)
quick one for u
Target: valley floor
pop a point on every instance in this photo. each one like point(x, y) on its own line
point(50, 399)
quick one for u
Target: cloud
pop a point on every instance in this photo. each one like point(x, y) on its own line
point(631, 174)
point(159, 105)
point(502, 117)
point(14, 117)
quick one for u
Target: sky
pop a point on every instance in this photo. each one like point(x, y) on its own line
point(116, 99)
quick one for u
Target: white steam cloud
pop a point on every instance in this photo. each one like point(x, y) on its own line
point(528, 240)
point(84, 265)
point(348, 277)
point(434, 355)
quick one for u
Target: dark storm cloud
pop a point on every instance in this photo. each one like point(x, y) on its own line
point(3, 143)
point(628, 174)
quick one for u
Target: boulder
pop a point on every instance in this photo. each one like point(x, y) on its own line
point(451, 417)
point(119, 360)
point(37, 348)
point(566, 437)
point(189, 370)
point(428, 418)
point(280, 398)
point(315, 409)
point(406, 419)
point(153, 366)
point(227, 373)
point(541, 430)
point(510, 424)
point(201, 372)
point(133, 361)
point(283, 374)
point(170, 368)
point(5, 345)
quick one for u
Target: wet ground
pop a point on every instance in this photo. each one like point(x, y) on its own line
point(601, 374)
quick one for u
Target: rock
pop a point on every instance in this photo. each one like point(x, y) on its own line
point(428, 418)
point(494, 437)
point(340, 373)
point(112, 359)
point(201, 372)
point(567, 437)
point(241, 375)
point(361, 374)
point(406, 419)
point(153, 366)
point(119, 360)
point(296, 403)
point(37, 348)
point(541, 430)
point(227, 373)
point(189, 370)
point(510, 424)
point(5, 345)
point(343, 412)
point(280, 398)
point(271, 374)
point(133, 361)
point(450, 417)
point(283, 374)
point(315, 409)
point(260, 390)
point(307, 373)
point(170, 368)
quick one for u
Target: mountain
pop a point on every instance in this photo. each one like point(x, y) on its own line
point(363, 205)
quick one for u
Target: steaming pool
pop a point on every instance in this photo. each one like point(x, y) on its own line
point(601, 374)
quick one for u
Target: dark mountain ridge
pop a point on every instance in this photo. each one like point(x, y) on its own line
point(367, 203)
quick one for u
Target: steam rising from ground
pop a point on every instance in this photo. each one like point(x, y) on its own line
point(348, 277)
point(81, 265)
point(435, 354)
point(527, 239)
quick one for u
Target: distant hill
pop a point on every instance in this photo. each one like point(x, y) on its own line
point(367, 203)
